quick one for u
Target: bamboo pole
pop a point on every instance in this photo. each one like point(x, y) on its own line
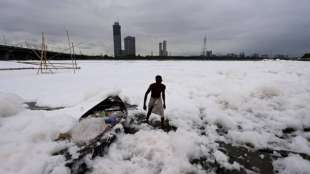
point(69, 43)
point(43, 67)
point(41, 55)
point(74, 58)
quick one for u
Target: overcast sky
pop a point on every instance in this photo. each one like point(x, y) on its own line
point(262, 26)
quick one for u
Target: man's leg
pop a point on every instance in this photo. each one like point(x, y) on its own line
point(162, 121)
point(148, 114)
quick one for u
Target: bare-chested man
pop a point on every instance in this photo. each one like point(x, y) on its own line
point(157, 102)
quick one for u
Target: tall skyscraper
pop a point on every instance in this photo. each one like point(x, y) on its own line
point(204, 47)
point(117, 39)
point(130, 46)
point(163, 48)
point(160, 49)
point(165, 52)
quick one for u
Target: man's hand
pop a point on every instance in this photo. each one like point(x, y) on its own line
point(144, 107)
point(164, 106)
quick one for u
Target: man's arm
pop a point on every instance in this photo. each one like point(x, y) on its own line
point(145, 97)
point(164, 99)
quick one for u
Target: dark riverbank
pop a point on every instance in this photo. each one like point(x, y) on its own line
point(19, 53)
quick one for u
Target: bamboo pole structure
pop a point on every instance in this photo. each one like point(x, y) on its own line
point(45, 66)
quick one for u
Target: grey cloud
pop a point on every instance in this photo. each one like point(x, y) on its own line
point(231, 25)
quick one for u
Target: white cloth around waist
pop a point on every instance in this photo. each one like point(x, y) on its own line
point(157, 106)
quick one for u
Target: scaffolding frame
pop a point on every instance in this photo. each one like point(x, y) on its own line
point(45, 66)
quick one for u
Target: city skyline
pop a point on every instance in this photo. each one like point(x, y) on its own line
point(264, 27)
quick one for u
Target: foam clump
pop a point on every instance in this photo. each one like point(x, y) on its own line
point(87, 129)
point(10, 104)
point(266, 92)
point(292, 164)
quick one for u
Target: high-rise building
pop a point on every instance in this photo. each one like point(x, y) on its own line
point(209, 53)
point(165, 52)
point(130, 46)
point(160, 49)
point(163, 48)
point(117, 39)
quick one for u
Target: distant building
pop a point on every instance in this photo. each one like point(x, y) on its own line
point(130, 46)
point(165, 52)
point(232, 55)
point(160, 49)
point(281, 56)
point(209, 53)
point(117, 39)
point(265, 56)
point(242, 55)
point(163, 48)
point(255, 55)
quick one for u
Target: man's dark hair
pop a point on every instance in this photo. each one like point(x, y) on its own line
point(158, 78)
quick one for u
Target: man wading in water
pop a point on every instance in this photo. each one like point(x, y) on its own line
point(156, 104)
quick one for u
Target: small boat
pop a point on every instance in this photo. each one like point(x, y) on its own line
point(109, 105)
point(108, 113)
